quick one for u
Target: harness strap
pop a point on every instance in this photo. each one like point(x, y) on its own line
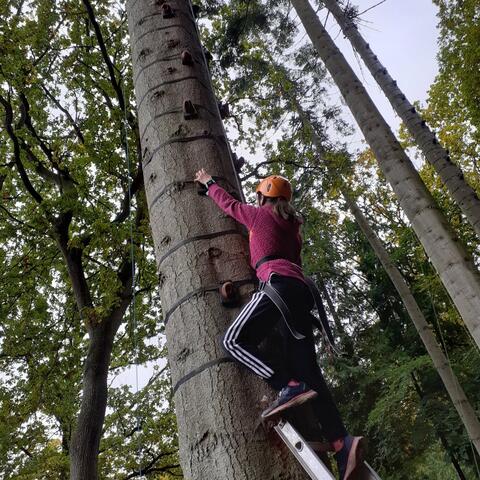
point(322, 324)
point(276, 298)
point(267, 258)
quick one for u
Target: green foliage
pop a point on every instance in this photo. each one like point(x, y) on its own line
point(53, 73)
point(65, 241)
point(454, 98)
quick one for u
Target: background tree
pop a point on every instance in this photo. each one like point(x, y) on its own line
point(68, 203)
point(450, 174)
point(428, 222)
point(367, 303)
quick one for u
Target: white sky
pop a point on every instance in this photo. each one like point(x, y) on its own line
point(403, 35)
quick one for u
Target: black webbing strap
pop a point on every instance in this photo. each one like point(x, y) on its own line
point(276, 298)
point(200, 369)
point(322, 324)
point(200, 291)
point(267, 258)
point(206, 236)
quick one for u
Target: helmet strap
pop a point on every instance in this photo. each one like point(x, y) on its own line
point(261, 199)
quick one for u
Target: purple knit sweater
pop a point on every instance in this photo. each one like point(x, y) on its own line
point(269, 234)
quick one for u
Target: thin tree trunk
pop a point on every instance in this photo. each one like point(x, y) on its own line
point(197, 248)
point(331, 306)
point(435, 154)
point(87, 434)
point(441, 436)
point(456, 269)
point(453, 387)
point(347, 343)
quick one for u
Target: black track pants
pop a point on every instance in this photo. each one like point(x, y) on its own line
point(257, 320)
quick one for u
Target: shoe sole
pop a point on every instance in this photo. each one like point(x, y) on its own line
point(295, 401)
point(356, 458)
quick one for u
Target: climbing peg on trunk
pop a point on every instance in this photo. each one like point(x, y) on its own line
point(167, 11)
point(189, 110)
point(196, 10)
point(229, 294)
point(187, 58)
point(224, 110)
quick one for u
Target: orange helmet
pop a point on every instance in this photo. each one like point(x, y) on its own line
point(275, 186)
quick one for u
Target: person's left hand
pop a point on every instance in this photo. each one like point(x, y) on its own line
point(202, 176)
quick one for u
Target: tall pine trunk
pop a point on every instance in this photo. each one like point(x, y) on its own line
point(197, 248)
point(435, 154)
point(440, 361)
point(454, 389)
point(455, 268)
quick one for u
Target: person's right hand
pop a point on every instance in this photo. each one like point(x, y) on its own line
point(202, 176)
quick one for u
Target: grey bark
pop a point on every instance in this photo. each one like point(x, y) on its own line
point(197, 248)
point(88, 430)
point(450, 174)
point(449, 257)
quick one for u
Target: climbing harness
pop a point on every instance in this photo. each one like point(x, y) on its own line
point(321, 323)
point(272, 293)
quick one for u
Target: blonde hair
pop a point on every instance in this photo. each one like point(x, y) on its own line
point(283, 208)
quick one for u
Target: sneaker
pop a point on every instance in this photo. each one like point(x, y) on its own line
point(290, 397)
point(350, 457)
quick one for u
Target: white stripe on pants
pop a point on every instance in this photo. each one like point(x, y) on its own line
point(233, 332)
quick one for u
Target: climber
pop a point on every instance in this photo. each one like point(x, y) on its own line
point(275, 247)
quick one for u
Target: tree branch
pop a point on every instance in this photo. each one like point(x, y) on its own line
point(150, 466)
point(66, 113)
point(137, 183)
point(73, 259)
point(43, 171)
point(111, 68)
point(24, 224)
point(8, 122)
point(62, 179)
point(125, 274)
point(106, 57)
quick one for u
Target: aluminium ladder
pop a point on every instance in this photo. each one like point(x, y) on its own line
point(307, 457)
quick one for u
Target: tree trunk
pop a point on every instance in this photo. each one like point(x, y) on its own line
point(331, 306)
point(453, 387)
point(456, 270)
point(435, 154)
point(347, 343)
point(88, 430)
point(441, 363)
point(197, 248)
point(441, 436)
